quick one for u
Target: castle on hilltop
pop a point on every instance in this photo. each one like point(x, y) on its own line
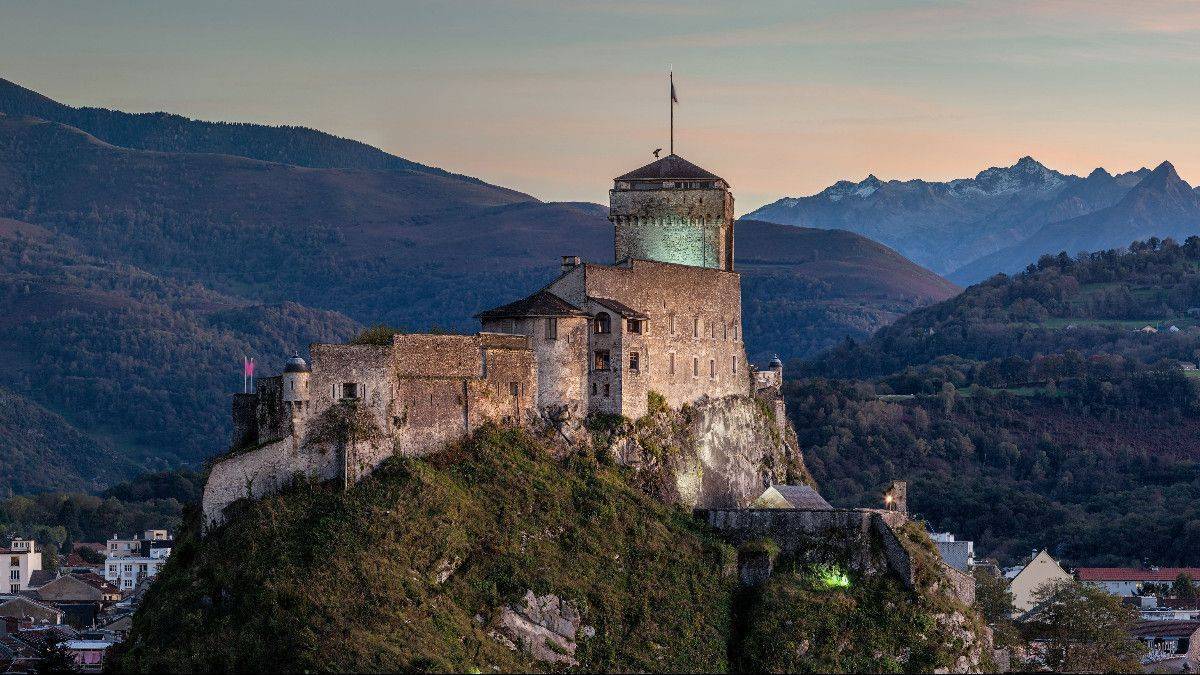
point(665, 317)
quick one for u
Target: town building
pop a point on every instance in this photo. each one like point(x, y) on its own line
point(958, 554)
point(134, 559)
point(20, 560)
point(1038, 572)
point(1128, 581)
point(1170, 640)
point(28, 610)
point(79, 601)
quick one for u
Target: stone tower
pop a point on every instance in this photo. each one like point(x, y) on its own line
point(673, 211)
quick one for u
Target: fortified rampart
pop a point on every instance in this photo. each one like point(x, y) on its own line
point(837, 534)
point(365, 403)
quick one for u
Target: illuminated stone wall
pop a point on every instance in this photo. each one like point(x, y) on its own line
point(688, 227)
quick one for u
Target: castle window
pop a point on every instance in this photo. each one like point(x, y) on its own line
point(551, 328)
point(696, 327)
point(514, 388)
point(603, 323)
point(724, 331)
point(712, 330)
point(735, 365)
point(671, 368)
point(671, 321)
point(510, 325)
point(712, 368)
point(351, 390)
point(695, 367)
point(600, 362)
point(635, 326)
point(735, 331)
point(606, 390)
point(593, 389)
point(635, 361)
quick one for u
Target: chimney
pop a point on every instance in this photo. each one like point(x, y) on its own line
point(569, 262)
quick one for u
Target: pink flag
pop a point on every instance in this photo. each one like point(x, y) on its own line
point(248, 367)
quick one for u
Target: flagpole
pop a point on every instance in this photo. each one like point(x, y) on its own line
point(671, 105)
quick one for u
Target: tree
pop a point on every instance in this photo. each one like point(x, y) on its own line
point(1184, 587)
point(1084, 629)
point(55, 658)
point(995, 602)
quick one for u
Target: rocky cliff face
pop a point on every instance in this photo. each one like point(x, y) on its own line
point(718, 453)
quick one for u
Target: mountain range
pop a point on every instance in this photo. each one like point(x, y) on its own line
point(1003, 219)
point(144, 254)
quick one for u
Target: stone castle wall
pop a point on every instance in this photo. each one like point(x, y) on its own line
point(844, 534)
point(409, 398)
point(688, 227)
point(691, 346)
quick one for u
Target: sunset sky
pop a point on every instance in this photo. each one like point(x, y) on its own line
point(555, 98)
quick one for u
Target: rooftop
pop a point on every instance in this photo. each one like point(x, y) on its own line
point(542, 303)
point(670, 167)
point(1159, 574)
point(620, 308)
point(802, 497)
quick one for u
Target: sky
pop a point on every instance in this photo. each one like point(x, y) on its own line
point(555, 98)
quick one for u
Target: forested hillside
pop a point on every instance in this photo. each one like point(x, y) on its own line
point(1030, 411)
point(110, 369)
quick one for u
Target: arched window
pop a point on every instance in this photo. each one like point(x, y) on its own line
point(603, 323)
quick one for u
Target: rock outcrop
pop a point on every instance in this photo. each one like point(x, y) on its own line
point(718, 453)
point(543, 626)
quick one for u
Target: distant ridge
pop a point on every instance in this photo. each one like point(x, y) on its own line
point(166, 132)
point(999, 221)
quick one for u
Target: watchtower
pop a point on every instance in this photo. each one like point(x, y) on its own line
point(673, 211)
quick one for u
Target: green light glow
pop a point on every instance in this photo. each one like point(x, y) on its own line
point(832, 576)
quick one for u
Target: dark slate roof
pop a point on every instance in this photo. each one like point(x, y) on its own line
point(542, 303)
point(624, 310)
point(296, 365)
point(40, 578)
point(803, 497)
point(671, 166)
point(1165, 629)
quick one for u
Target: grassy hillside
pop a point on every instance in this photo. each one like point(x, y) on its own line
point(409, 570)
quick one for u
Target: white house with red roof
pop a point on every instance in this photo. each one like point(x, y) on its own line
point(1128, 581)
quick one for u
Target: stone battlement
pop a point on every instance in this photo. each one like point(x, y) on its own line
point(410, 397)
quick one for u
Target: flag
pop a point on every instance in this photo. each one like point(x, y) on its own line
point(674, 99)
point(248, 367)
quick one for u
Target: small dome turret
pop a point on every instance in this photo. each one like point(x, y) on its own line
point(775, 363)
point(296, 365)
